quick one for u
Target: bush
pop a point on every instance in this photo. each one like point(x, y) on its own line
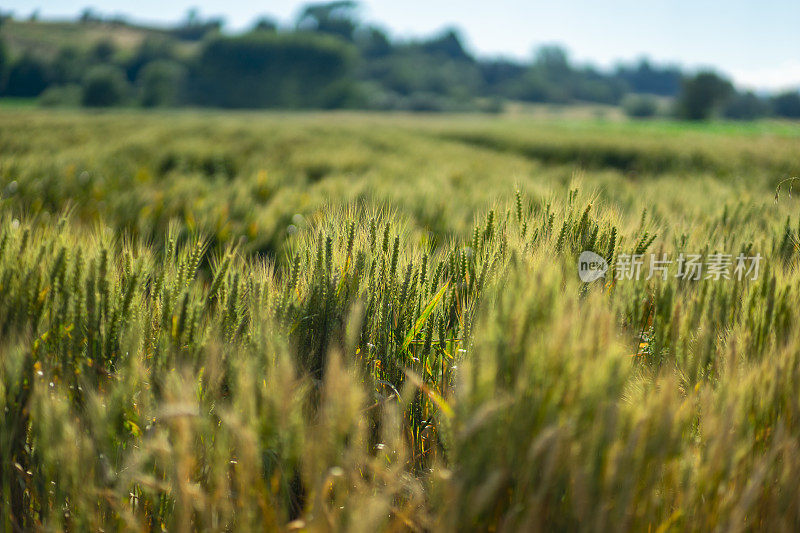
point(787, 104)
point(426, 102)
point(28, 77)
point(103, 51)
point(153, 48)
point(4, 61)
point(640, 106)
point(702, 95)
point(746, 106)
point(160, 83)
point(104, 86)
point(61, 96)
point(272, 70)
point(68, 66)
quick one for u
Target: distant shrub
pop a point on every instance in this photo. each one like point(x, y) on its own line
point(196, 31)
point(61, 96)
point(104, 86)
point(787, 104)
point(426, 102)
point(266, 24)
point(703, 95)
point(153, 48)
point(28, 77)
point(272, 70)
point(4, 61)
point(377, 97)
point(640, 106)
point(68, 66)
point(103, 51)
point(746, 106)
point(160, 83)
point(493, 105)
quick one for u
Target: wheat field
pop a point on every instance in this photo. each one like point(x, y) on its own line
point(241, 322)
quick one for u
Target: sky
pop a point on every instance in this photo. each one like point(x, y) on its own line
point(755, 43)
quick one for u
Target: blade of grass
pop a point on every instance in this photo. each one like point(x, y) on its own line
point(424, 316)
point(432, 395)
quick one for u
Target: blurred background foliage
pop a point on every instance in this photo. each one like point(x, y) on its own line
point(330, 58)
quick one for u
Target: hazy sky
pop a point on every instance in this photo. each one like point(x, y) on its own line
point(757, 43)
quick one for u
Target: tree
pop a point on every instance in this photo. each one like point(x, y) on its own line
point(334, 18)
point(648, 79)
point(500, 76)
point(448, 44)
point(192, 17)
point(4, 61)
point(61, 96)
point(787, 104)
point(104, 86)
point(28, 77)
point(640, 106)
point(701, 95)
point(195, 29)
point(548, 79)
point(410, 70)
point(272, 70)
point(589, 85)
point(88, 15)
point(373, 42)
point(533, 86)
point(153, 48)
point(553, 61)
point(265, 24)
point(103, 51)
point(69, 65)
point(160, 83)
point(745, 106)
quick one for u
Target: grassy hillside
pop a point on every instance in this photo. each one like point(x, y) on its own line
point(46, 38)
point(373, 322)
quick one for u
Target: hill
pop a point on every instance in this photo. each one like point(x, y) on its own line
point(46, 38)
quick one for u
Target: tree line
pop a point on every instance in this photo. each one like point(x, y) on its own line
point(328, 58)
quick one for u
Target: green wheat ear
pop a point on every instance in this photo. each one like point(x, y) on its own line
point(442, 368)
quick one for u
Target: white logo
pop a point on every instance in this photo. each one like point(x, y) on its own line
point(591, 266)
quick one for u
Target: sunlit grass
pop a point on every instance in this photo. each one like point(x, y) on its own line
point(220, 323)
